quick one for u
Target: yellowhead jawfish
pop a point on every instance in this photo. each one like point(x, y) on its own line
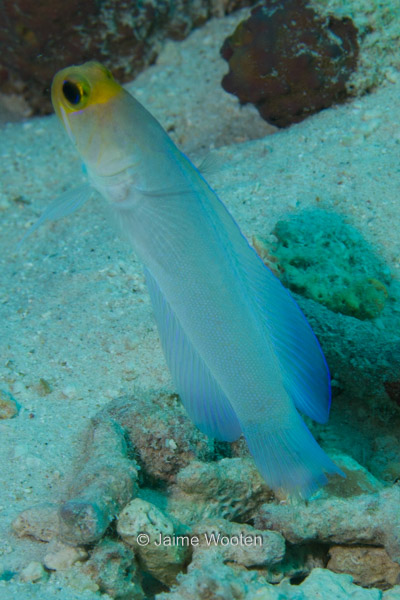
point(241, 353)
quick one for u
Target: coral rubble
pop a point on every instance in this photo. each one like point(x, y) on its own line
point(192, 535)
point(101, 487)
point(241, 544)
point(156, 424)
point(365, 519)
point(231, 488)
point(115, 570)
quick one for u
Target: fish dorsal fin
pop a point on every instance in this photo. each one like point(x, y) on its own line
point(205, 402)
point(303, 366)
point(63, 205)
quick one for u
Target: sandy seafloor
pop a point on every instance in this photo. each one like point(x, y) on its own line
point(74, 310)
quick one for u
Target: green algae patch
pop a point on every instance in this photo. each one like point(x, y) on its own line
point(320, 256)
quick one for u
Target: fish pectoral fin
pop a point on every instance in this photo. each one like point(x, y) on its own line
point(203, 398)
point(212, 163)
point(63, 205)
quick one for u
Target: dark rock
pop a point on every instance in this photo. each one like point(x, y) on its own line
point(39, 37)
point(289, 61)
point(393, 390)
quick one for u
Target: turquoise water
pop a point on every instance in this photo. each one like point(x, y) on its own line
point(94, 441)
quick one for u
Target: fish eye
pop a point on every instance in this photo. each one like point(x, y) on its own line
point(72, 92)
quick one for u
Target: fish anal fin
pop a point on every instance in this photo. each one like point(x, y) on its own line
point(200, 393)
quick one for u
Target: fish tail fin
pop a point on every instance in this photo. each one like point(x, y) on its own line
point(289, 458)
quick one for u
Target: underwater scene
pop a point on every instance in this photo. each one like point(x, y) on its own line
point(200, 300)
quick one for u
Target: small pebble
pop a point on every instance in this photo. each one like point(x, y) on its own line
point(392, 75)
point(39, 522)
point(8, 406)
point(62, 557)
point(170, 443)
point(33, 572)
point(371, 114)
point(69, 391)
point(44, 388)
point(370, 126)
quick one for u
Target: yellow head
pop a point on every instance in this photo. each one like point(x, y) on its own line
point(92, 107)
point(112, 132)
point(77, 88)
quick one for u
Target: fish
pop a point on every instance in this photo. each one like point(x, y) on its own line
point(241, 354)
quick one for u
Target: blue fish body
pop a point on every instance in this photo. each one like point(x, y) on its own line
point(241, 353)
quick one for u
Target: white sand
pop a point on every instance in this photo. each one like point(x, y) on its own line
point(74, 309)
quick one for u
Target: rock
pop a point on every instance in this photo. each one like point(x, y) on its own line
point(369, 567)
point(40, 522)
point(358, 480)
point(162, 436)
point(125, 36)
point(33, 573)
point(151, 533)
point(208, 577)
point(366, 519)
point(230, 488)
point(385, 458)
point(8, 406)
point(298, 563)
point(60, 557)
point(393, 594)
point(105, 481)
point(106, 477)
point(237, 543)
point(335, 587)
point(114, 569)
point(393, 390)
point(289, 61)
